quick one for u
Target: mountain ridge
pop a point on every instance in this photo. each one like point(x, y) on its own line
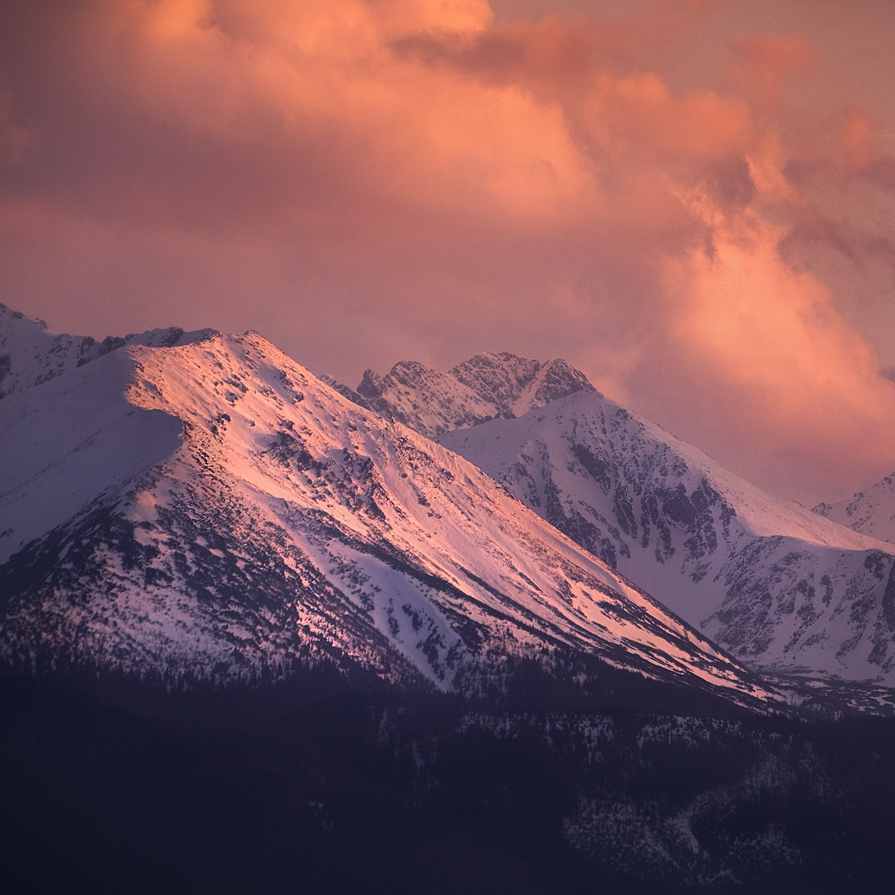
point(768, 579)
point(274, 523)
point(870, 512)
point(485, 387)
point(31, 355)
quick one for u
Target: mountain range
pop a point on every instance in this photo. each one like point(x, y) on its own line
point(777, 585)
point(199, 505)
point(210, 510)
point(482, 630)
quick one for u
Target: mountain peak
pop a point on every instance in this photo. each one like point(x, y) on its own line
point(30, 354)
point(485, 387)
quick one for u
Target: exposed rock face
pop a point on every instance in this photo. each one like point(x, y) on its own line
point(485, 387)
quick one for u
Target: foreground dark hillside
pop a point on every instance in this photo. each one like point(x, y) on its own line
point(420, 793)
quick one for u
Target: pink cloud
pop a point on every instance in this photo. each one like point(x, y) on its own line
point(766, 62)
point(366, 181)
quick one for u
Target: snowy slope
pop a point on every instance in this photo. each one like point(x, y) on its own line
point(871, 512)
point(224, 514)
point(31, 355)
point(480, 389)
point(772, 582)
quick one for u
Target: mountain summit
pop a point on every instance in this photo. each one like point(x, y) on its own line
point(30, 354)
point(485, 387)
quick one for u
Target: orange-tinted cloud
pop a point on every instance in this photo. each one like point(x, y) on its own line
point(366, 180)
point(766, 62)
point(801, 381)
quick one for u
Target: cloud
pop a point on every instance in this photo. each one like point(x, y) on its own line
point(14, 138)
point(366, 180)
point(766, 62)
point(766, 340)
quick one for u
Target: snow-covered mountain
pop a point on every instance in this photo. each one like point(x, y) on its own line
point(30, 354)
point(871, 512)
point(772, 582)
point(483, 388)
point(212, 510)
point(764, 577)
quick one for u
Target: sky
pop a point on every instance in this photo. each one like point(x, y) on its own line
point(689, 200)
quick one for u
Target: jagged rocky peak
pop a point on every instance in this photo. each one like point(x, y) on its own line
point(518, 384)
point(371, 385)
point(557, 379)
point(502, 374)
point(30, 354)
point(485, 387)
